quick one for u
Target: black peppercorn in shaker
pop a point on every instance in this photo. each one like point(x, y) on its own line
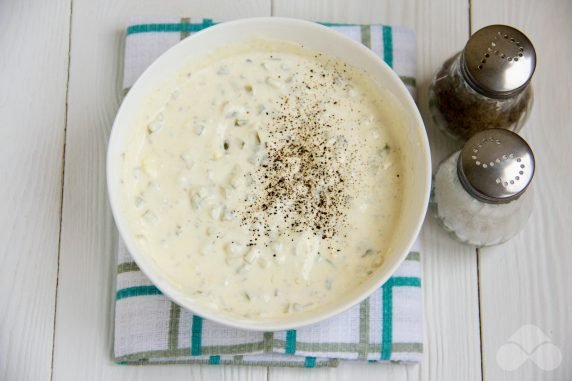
point(486, 85)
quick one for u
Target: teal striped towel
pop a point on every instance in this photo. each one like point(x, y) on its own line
point(150, 329)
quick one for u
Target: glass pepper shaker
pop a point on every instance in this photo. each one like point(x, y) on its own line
point(481, 193)
point(486, 85)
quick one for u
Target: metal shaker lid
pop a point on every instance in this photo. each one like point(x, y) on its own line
point(498, 61)
point(496, 166)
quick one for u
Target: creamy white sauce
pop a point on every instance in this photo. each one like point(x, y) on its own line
point(264, 180)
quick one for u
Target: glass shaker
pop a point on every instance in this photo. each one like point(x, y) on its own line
point(486, 85)
point(480, 192)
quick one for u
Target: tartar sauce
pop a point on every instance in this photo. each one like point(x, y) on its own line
point(264, 179)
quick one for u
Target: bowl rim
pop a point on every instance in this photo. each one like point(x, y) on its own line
point(161, 282)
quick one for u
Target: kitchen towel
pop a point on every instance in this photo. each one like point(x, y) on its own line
point(150, 329)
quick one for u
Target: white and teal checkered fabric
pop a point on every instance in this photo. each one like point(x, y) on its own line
point(150, 329)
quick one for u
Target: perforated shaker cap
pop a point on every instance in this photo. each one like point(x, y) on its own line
point(498, 61)
point(496, 166)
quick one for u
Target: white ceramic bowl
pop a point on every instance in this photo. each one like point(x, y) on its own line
point(415, 149)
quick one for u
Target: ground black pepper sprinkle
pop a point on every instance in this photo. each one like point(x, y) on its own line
point(307, 176)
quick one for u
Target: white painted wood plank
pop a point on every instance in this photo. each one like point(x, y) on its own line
point(348, 371)
point(452, 345)
point(527, 280)
point(451, 324)
point(84, 321)
point(33, 77)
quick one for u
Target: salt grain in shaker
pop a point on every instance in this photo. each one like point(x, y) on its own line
point(481, 193)
point(486, 85)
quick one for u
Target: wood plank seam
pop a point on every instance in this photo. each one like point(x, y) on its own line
point(470, 17)
point(62, 188)
point(479, 309)
point(470, 4)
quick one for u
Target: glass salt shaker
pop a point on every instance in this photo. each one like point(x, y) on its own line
point(486, 85)
point(481, 193)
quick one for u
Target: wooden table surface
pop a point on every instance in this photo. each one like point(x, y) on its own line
point(60, 72)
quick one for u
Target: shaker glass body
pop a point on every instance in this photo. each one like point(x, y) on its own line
point(472, 221)
point(460, 111)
